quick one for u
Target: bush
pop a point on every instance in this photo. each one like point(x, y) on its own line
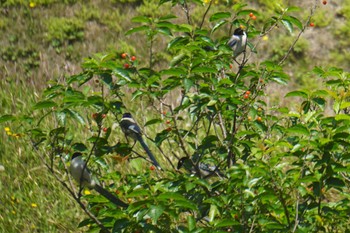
point(268, 169)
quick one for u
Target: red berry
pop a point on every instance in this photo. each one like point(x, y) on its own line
point(152, 168)
point(105, 130)
point(103, 116)
point(133, 58)
point(312, 24)
point(324, 2)
point(247, 92)
point(94, 116)
point(124, 55)
point(168, 121)
point(231, 66)
point(253, 17)
point(168, 129)
point(164, 112)
point(246, 96)
point(126, 66)
point(251, 14)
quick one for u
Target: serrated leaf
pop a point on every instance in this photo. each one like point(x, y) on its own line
point(122, 73)
point(44, 104)
point(219, 15)
point(137, 29)
point(297, 93)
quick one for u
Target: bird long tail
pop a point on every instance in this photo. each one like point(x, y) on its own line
point(110, 196)
point(148, 151)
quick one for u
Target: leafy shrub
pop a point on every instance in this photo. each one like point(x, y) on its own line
point(277, 168)
point(61, 31)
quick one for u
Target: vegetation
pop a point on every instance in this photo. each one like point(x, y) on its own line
point(280, 167)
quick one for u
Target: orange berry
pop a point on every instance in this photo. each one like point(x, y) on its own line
point(324, 2)
point(231, 66)
point(105, 130)
point(247, 92)
point(312, 24)
point(133, 58)
point(251, 14)
point(124, 55)
point(259, 119)
point(246, 96)
point(164, 112)
point(152, 168)
point(249, 118)
point(129, 200)
point(253, 17)
point(126, 66)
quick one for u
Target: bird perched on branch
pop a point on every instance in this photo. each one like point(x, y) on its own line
point(238, 41)
point(204, 170)
point(82, 175)
point(131, 129)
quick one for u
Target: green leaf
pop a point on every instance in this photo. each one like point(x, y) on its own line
point(174, 72)
point(335, 182)
point(342, 117)
point(302, 94)
point(292, 8)
point(141, 19)
point(122, 73)
point(191, 222)
point(213, 212)
point(137, 29)
point(219, 15)
point(204, 70)
point(288, 25)
point(218, 25)
point(5, 118)
point(155, 212)
point(171, 196)
point(44, 104)
point(153, 121)
point(295, 21)
point(299, 129)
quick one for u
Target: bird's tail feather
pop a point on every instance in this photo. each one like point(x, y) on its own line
point(149, 153)
point(110, 196)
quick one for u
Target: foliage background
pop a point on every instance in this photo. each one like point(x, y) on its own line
point(47, 39)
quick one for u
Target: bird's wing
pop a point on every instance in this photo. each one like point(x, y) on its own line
point(233, 41)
